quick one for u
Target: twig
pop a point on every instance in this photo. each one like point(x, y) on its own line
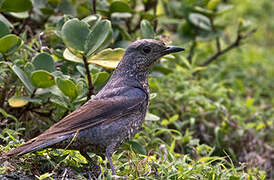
point(154, 13)
point(218, 44)
point(191, 51)
point(236, 43)
point(90, 85)
point(94, 6)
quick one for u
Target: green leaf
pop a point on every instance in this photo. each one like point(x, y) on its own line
point(16, 102)
point(5, 114)
point(9, 44)
point(6, 21)
point(151, 117)
point(200, 21)
point(138, 148)
point(67, 87)
point(108, 58)
point(100, 77)
point(92, 19)
point(147, 31)
point(20, 15)
point(68, 55)
point(61, 23)
point(4, 29)
point(22, 76)
point(43, 61)
point(211, 5)
point(119, 6)
point(75, 33)
point(15, 5)
point(99, 37)
point(42, 79)
point(28, 68)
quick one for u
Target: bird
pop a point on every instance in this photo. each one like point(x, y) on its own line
point(114, 115)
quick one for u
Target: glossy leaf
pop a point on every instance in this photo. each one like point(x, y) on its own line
point(20, 15)
point(17, 102)
point(100, 78)
point(147, 31)
point(119, 6)
point(15, 5)
point(9, 44)
point(68, 55)
point(108, 58)
point(6, 21)
point(43, 61)
point(92, 19)
point(67, 87)
point(4, 29)
point(99, 37)
point(22, 76)
point(75, 33)
point(42, 79)
point(200, 21)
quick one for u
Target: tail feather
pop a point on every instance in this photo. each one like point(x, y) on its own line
point(33, 145)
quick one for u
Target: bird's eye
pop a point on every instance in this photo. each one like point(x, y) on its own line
point(146, 49)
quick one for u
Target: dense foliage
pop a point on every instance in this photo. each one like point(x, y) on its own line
point(211, 112)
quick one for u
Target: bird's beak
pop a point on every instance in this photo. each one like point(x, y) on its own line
point(172, 49)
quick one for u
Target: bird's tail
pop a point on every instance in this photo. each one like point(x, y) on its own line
point(33, 145)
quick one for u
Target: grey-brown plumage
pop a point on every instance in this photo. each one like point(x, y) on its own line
point(114, 115)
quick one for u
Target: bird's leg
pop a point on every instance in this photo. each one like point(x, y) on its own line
point(109, 152)
point(96, 170)
point(85, 154)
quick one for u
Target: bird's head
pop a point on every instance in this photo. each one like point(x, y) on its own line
point(141, 54)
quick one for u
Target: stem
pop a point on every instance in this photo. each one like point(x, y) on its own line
point(90, 85)
point(154, 13)
point(191, 51)
point(236, 43)
point(94, 6)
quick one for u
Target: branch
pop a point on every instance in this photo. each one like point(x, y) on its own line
point(90, 85)
point(191, 51)
point(94, 6)
point(236, 43)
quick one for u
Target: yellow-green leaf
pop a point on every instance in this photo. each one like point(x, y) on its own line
point(108, 58)
point(17, 102)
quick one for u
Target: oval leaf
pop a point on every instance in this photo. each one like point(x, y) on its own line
point(67, 87)
point(10, 43)
point(15, 5)
point(22, 76)
point(4, 29)
point(147, 31)
point(108, 58)
point(119, 6)
point(100, 78)
point(92, 19)
point(100, 36)
point(43, 61)
point(74, 34)
point(42, 79)
point(68, 55)
point(17, 102)
point(200, 21)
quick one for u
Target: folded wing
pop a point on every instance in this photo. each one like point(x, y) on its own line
point(92, 113)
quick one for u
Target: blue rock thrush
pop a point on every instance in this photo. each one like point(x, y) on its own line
point(114, 115)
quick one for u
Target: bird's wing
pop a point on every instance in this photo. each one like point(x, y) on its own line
point(92, 113)
point(97, 112)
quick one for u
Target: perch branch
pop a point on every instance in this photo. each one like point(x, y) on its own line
point(236, 43)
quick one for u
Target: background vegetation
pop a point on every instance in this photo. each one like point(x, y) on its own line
point(211, 112)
